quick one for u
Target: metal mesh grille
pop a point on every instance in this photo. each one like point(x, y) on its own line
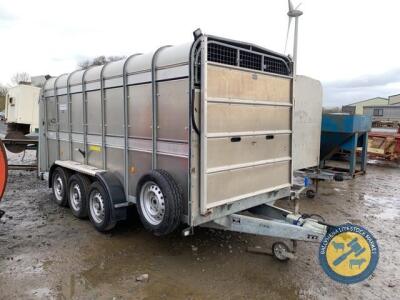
point(247, 59)
point(250, 60)
point(222, 54)
point(275, 66)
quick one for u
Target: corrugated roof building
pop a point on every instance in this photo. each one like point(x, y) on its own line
point(357, 108)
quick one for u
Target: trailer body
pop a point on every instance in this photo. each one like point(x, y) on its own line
point(138, 114)
point(210, 122)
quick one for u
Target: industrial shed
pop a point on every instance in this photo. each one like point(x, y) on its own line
point(394, 99)
point(356, 108)
point(388, 113)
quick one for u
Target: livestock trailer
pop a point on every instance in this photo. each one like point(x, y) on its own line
point(198, 134)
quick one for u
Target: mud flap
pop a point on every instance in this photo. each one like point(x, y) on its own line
point(116, 193)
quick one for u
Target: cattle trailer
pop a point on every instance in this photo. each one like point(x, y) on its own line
point(198, 134)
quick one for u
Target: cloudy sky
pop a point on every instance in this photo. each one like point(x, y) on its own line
point(352, 46)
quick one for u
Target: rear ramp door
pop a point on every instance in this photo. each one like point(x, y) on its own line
point(246, 134)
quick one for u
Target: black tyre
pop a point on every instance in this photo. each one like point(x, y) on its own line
point(78, 191)
point(310, 194)
point(279, 251)
point(99, 208)
point(159, 202)
point(59, 184)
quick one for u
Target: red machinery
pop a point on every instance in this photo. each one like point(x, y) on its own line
point(3, 169)
point(3, 172)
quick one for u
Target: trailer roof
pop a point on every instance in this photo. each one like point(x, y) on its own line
point(167, 56)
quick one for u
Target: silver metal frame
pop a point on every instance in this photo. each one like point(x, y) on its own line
point(203, 137)
point(69, 99)
point(274, 222)
point(46, 150)
point(103, 117)
point(126, 124)
point(192, 98)
point(57, 115)
point(154, 98)
point(85, 125)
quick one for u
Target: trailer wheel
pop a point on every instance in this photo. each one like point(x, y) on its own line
point(310, 194)
point(159, 202)
point(279, 251)
point(99, 208)
point(59, 184)
point(78, 186)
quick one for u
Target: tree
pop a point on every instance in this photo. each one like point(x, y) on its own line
point(98, 61)
point(17, 78)
point(3, 90)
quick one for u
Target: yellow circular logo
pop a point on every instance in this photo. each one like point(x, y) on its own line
point(349, 253)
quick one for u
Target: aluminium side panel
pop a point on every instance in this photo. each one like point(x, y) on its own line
point(63, 113)
point(94, 112)
point(77, 113)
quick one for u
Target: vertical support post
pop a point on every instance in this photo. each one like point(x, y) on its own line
point(46, 149)
point(69, 99)
point(353, 154)
point(293, 102)
point(192, 95)
point(296, 30)
point(57, 117)
point(103, 118)
point(154, 92)
point(364, 153)
point(126, 125)
point(262, 63)
point(204, 129)
point(84, 101)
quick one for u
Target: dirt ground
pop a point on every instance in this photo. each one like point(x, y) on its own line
point(47, 253)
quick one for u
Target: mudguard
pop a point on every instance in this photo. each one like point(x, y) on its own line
point(116, 193)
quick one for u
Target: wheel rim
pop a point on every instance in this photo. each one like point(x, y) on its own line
point(96, 205)
point(152, 203)
point(280, 251)
point(58, 187)
point(75, 196)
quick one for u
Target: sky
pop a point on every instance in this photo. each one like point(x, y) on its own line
point(351, 46)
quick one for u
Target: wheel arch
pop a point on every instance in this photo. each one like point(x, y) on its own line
point(51, 171)
point(115, 190)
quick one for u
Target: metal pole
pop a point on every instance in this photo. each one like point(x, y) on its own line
point(203, 131)
point(57, 116)
point(126, 124)
point(154, 92)
point(103, 118)
point(69, 97)
point(296, 28)
point(46, 128)
point(84, 100)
